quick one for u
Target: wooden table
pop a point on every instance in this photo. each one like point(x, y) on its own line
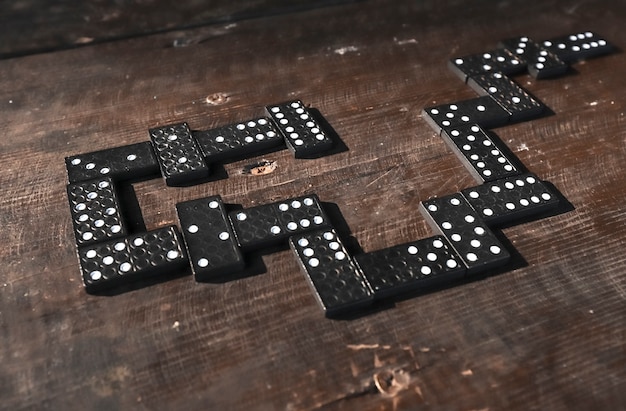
point(547, 333)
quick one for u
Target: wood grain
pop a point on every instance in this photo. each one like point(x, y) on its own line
point(547, 334)
point(36, 26)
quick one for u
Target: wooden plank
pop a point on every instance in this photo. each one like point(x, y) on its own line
point(548, 334)
point(28, 27)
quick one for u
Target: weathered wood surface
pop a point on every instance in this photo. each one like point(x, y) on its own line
point(547, 334)
point(29, 27)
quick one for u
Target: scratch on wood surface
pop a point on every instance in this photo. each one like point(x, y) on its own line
point(343, 50)
point(83, 40)
point(404, 41)
point(412, 353)
point(572, 9)
point(354, 369)
point(449, 181)
point(392, 169)
point(205, 35)
point(388, 383)
point(618, 286)
point(110, 382)
point(418, 391)
point(367, 346)
point(365, 389)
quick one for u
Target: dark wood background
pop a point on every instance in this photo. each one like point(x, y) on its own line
point(549, 333)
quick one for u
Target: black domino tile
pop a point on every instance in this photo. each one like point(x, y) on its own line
point(499, 60)
point(511, 199)
point(302, 133)
point(257, 227)
point(209, 239)
point(301, 214)
point(95, 209)
point(483, 110)
point(578, 46)
point(180, 158)
point(540, 62)
point(468, 234)
point(131, 258)
point(239, 139)
point(269, 224)
point(412, 266)
point(516, 101)
point(481, 155)
point(133, 161)
point(337, 282)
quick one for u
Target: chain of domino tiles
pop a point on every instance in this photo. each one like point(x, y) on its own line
point(215, 239)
